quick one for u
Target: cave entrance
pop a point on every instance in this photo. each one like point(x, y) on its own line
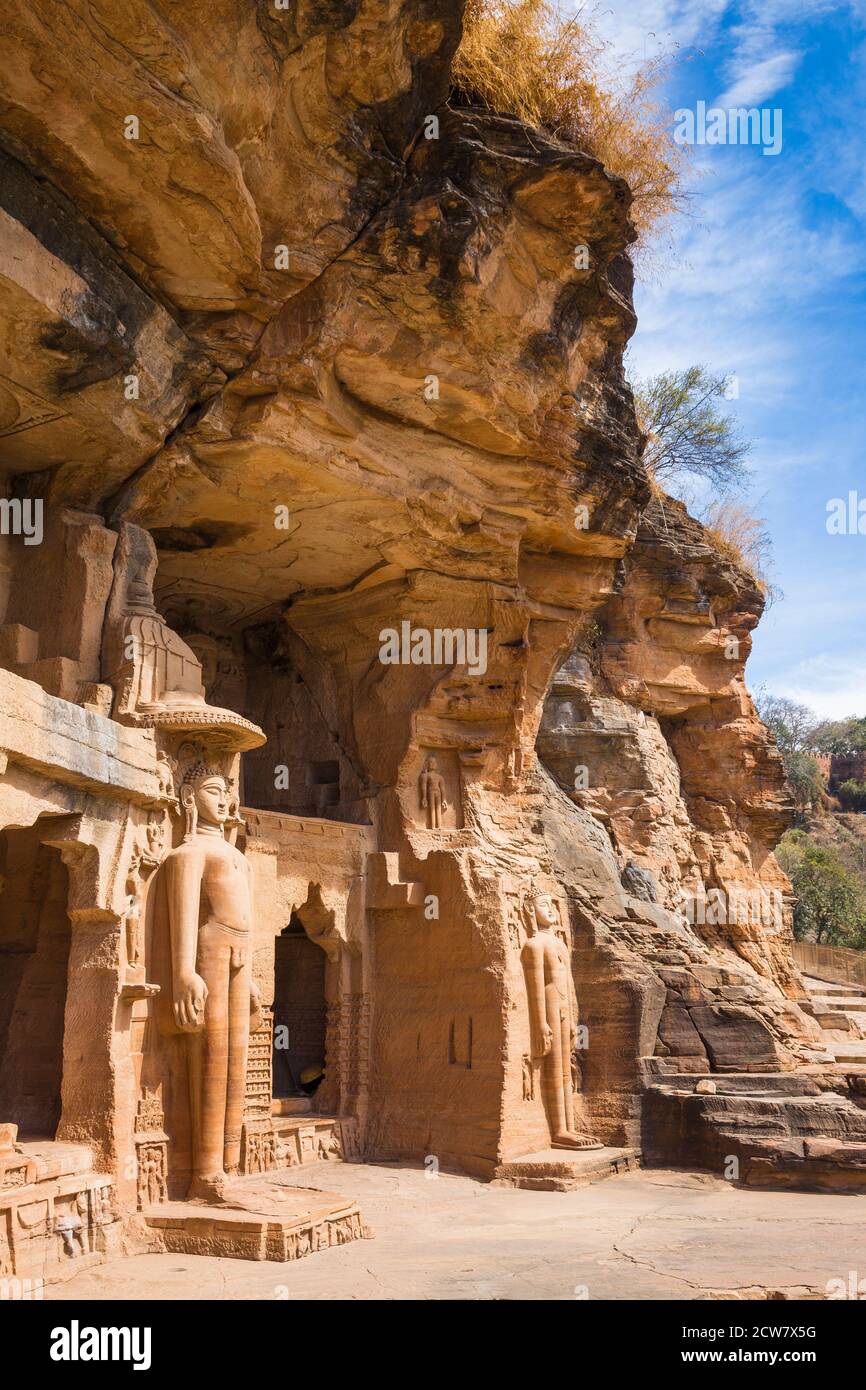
point(35, 938)
point(300, 1013)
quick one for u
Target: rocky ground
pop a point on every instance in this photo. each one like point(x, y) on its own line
point(653, 1234)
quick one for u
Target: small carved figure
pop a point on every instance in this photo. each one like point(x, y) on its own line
point(155, 832)
point(133, 911)
point(432, 786)
point(104, 1210)
point(153, 1178)
point(329, 1146)
point(576, 1074)
point(165, 775)
point(70, 1227)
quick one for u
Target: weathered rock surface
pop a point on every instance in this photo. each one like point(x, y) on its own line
point(350, 381)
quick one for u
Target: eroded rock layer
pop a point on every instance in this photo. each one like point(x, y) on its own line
point(337, 485)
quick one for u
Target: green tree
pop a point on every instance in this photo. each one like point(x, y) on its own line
point(829, 907)
point(841, 735)
point(686, 433)
point(852, 795)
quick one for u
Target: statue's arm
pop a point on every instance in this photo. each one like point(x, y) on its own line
point(533, 967)
point(572, 992)
point(183, 892)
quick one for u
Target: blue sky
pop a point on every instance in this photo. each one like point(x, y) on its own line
point(768, 281)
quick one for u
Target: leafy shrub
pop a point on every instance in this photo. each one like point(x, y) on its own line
point(852, 795)
point(829, 901)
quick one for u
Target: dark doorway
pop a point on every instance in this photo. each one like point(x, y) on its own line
point(34, 964)
point(299, 1008)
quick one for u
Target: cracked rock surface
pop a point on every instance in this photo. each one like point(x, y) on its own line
point(643, 1235)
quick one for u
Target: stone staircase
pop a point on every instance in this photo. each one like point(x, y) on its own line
point(840, 1010)
point(309, 1138)
point(803, 1129)
point(558, 1170)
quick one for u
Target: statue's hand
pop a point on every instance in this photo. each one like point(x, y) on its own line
point(189, 1001)
point(255, 1007)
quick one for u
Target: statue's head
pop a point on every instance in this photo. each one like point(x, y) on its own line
point(430, 765)
point(204, 796)
point(540, 911)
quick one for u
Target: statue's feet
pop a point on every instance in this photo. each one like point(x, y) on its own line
point(213, 1190)
point(568, 1139)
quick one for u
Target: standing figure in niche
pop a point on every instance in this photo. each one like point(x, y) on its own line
point(552, 1019)
point(432, 793)
point(206, 898)
point(133, 911)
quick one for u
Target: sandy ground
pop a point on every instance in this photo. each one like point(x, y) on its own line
point(644, 1235)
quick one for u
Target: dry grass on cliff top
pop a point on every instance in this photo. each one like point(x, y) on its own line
point(742, 538)
point(525, 58)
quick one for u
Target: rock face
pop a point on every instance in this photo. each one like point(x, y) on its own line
point(319, 452)
point(651, 732)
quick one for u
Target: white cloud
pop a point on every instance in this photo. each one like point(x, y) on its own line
point(637, 31)
point(833, 686)
point(750, 259)
point(755, 82)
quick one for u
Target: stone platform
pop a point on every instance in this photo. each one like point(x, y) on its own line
point(57, 1217)
point(261, 1220)
point(559, 1170)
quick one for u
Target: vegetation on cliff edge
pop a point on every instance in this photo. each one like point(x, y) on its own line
point(526, 58)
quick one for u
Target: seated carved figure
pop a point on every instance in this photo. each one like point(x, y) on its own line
point(553, 1019)
point(156, 676)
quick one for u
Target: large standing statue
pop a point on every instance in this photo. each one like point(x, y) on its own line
point(553, 1019)
point(205, 896)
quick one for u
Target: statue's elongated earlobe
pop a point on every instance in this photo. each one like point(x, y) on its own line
point(187, 798)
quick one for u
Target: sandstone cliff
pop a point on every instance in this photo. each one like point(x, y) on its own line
point(342, 363)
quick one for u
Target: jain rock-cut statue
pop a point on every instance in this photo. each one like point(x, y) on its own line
point(206, 898)
point(552, 1018)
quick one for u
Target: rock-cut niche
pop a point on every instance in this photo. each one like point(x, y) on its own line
point(35, 935)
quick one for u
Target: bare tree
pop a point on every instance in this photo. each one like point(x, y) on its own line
point(687, 435)
point(794, 725)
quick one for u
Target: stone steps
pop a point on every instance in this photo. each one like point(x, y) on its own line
point(825, 987)
point(796, 1130)
point(848, 1051)
point(839, 1009)
point(843, 1002)
point(303, 1139)
point(558, 1170)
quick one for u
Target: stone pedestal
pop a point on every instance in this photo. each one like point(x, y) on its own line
point(262, 1221)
